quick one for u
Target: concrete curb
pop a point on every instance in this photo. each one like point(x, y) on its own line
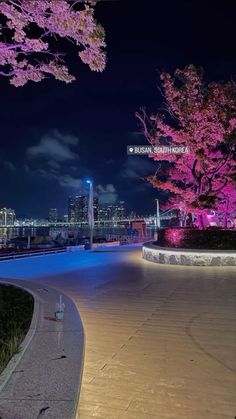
point(44, 379)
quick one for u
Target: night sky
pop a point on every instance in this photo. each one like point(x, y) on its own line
point(54, 135)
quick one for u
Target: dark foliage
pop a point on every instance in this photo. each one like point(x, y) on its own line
point(16, 309)
point(192, 238)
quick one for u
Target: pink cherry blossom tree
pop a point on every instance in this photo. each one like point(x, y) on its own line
point(30, 29)
point(201, 117)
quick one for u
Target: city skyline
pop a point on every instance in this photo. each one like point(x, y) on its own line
point(77, 211)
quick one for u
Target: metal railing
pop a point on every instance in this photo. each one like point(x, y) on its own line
point(29, 253)
point(126, 239)
point(121, 240)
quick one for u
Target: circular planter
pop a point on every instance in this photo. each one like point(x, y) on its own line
point(189, 257)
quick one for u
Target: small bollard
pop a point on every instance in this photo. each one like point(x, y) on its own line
point(59, 313)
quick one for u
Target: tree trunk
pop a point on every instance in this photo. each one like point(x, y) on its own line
point(226, 214)
point(200, 222)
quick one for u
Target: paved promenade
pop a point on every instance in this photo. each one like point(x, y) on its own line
point(160, 340)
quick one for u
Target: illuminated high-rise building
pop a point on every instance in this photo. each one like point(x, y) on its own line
point(73, 209)
point(83, 208)
point(113, 211)
point(53, 215)
point(120, 210)
point(78, 208)
point(7, 217)
point(103, 214)
point(95, 208)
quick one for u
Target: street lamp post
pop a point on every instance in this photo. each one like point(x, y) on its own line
point(90, 212)
point(158, 214)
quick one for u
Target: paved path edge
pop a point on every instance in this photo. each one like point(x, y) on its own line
point(41, 300)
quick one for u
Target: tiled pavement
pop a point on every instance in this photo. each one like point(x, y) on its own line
point(160, 340)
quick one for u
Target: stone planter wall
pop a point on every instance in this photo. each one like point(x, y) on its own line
point(192, 257)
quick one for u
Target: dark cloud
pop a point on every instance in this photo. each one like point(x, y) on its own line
point(136, 167)
point(54, 147)
point(68, 181)
point(9, 165)
point(107, 194)
point(54, 164)
point(64, 180)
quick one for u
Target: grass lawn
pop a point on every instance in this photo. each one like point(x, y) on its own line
point(16, 310)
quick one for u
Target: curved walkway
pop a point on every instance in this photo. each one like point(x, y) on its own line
point(160, 340)
point(45, 376)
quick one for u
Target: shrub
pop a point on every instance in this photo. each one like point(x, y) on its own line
point(16, 309)
point(192, 238)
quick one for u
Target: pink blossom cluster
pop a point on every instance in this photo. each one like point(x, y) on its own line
point(25, 56)
point(175, 236)
point(203, 118)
